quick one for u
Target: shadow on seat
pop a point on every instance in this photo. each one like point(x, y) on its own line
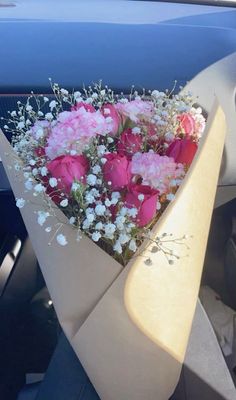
point(204, 375)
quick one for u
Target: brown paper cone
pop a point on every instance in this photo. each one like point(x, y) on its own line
point(133, 343)
point(132, 336)
point(78, 274)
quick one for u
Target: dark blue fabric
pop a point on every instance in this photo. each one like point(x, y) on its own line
point(150, 56)
point(65, 378)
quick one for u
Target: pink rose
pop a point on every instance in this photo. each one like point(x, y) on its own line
point(117, 171)
point(144, 198)
point(109, 111)
point(129, 143)
point(87, 107)
point(182, 151)
point(186, 124)
point(67, 169)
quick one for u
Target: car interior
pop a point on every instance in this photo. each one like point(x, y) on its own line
point(149, 44)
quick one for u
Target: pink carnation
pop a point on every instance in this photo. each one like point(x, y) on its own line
point(135, 109)
point(156, 171)
point(74, 129)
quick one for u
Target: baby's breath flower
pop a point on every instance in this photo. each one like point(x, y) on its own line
point(132, 212)
point(109, 230)
point(20, 203)
point(42, 216)
point(64, 203)
point(170, 196)
point(53, 182)
point(61, 239)
point(141, 197)
point(96, 236)
point(29, 184)
point(49, 116)
point(90, 217)
point(91, 180)
point(75, 186)
point(124, 238)
point(39, 188)
point(132, 245)
point(96, 169)
point(103, 160)
point(101, 150)
point(120, 220)
point(136, 130)
point(76, 95)
point(86, 224)
point(21, 125)
point(90, 199)
point(117, 247)
point(99, 226)
point(35, 171)
point(64, 92)
point(44, 171)
point(52, 104)
point(72, 220)
point(123, 211)
point(100, 209)
point(107, 203)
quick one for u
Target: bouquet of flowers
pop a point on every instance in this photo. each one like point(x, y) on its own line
point(94, 174)
point(111, 163)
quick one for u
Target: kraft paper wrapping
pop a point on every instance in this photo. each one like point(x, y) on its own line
point(130, 326)
point(77, 275)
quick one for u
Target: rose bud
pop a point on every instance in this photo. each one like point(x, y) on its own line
point(109, 111)
point(116, 170)
point(144, 198)
point(129, 143)
point(186, 124)
point(182, 151)
point(87, 107)
point(67, 169)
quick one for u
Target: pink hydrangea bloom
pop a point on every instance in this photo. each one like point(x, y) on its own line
point(156, 171)
point(74, 129)
point(136, 109)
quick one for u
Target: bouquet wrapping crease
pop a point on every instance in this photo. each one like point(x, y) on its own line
point(129, 326)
